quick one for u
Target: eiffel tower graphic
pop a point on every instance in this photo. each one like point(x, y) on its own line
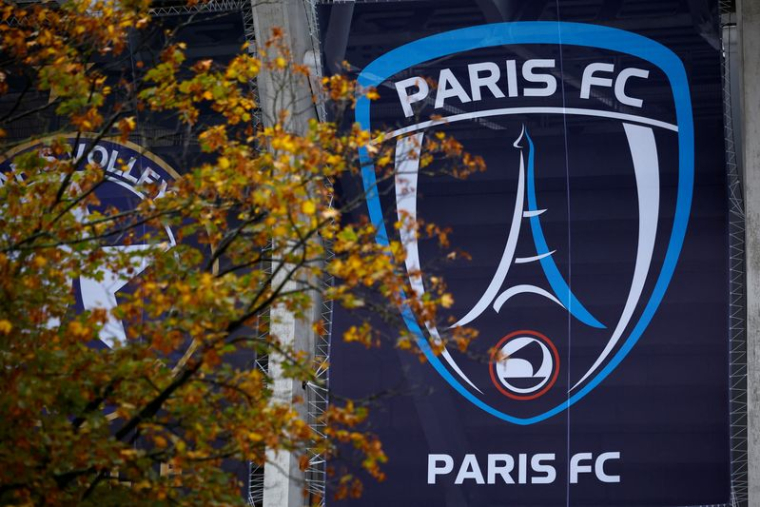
point(526, 209)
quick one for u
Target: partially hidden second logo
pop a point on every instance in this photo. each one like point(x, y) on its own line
point(129, 171)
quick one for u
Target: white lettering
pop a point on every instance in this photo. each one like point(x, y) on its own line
point(529, 78)
point(512, 78)
point(102, 155)
point(469, 470)
point(112, 161)
point(126, 174)
point(588, 80)
point(519, 469)
point(148, 176)
point(576, 468)
point(522, 472)
point(448, 86)
point(599, 467)
point(620, 82)
point(549, 80)
point(495, 469)
point(435, 470)
point(538, 467)
point(477, 81)
point(402, 88)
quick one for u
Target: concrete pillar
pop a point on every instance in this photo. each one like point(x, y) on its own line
point(749, 32)
point(283, 481)
point(275, 94)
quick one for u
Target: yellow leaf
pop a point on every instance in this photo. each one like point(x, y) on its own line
point(308, 207)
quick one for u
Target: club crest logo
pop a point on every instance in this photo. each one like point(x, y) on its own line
point(524, 365)
point(558, 301)
point(130, 172)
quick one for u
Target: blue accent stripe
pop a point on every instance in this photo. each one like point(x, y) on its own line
point(558, 283)
point(542, 32)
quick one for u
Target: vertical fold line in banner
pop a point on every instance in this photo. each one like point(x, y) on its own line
point(569, 248)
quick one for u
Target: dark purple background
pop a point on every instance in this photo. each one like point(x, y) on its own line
point(665, 408)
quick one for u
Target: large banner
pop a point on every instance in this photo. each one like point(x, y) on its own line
point(598, 272)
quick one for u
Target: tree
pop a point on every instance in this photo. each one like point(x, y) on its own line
point(248, 225)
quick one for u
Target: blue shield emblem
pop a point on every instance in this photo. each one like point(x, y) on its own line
point(528, 376)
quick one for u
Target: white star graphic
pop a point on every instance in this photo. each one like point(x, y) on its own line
point(102, 294)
